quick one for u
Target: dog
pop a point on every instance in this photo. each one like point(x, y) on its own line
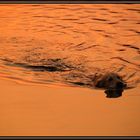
point(112, 83)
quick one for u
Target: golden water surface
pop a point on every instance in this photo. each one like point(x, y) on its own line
point(47, 48)
point(69, 43)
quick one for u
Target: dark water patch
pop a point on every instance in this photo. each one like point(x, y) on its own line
point(50, 65)
point(43, 17)
point(98, 30)
point(135, 10)
point(137, 22)
point(121, 50)
point(79, 22)
point(116, 22)
point(108, 36)
point(124, 19)
point(99, 19)
point(103, 9)
point(130, 46)
point(135, 31)
point(114, 12)
point(38, 68)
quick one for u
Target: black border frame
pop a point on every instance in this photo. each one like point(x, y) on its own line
point(70, 2)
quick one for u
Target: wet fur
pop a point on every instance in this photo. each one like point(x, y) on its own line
point(112, 83)
point(109, 80)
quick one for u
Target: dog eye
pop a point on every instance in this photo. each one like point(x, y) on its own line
point(110, 79)
point(118, 77)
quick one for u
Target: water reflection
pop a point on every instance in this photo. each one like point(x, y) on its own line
point(110, 93)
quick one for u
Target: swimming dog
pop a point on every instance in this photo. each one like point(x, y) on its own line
point(112, 83)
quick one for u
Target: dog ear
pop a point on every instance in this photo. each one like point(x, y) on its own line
point(98, 81)
point(99, 84)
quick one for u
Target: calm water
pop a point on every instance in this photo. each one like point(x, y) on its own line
point(69, 43)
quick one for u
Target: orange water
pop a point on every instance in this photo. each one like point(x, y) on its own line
point(47, 44)
point(77, 41)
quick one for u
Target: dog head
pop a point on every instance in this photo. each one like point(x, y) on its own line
point(113, 84)
point(110, 81)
